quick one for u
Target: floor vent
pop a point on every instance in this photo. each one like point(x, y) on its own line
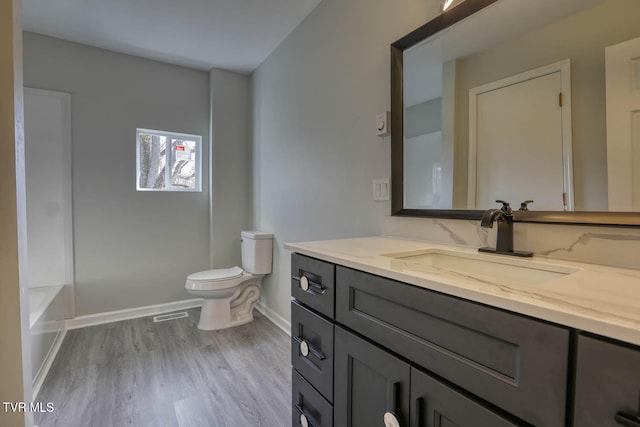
point(170, 316)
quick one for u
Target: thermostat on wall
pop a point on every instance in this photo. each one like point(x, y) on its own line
point(383, 121)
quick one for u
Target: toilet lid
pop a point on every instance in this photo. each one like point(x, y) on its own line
point(216, 275)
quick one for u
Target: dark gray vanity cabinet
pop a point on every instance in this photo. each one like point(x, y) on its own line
point(607, 384)
point(370, 383)
point(514, 362)
point(312, 341)
point(366, 347)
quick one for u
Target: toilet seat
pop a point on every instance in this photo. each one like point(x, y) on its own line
point(217, 274)
point(215, 279)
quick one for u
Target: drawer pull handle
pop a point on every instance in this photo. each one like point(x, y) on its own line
point(309, 285)
point(393, 397)
point(627, 420)
point(390, 420)
point(304, 421)
point(418, 418)
point(306, 348)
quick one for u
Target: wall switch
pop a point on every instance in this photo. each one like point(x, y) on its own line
point(383, 122)
point(381, 189)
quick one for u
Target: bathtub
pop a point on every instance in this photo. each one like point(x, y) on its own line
point(46, 320)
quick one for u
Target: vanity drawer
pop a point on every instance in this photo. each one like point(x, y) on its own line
point(312, 282)
point(310, 404)
point(514, 362)
point(607, 383)
point(312, 348)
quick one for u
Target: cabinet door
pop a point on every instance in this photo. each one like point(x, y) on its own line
point(607, 384)
point(436, 405)
point(370, 384)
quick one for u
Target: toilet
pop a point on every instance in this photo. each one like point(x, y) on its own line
point(230, 294)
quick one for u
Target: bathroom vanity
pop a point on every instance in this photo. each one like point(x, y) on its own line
point(403, 333)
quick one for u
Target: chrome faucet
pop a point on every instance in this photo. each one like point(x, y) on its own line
point(504, 218)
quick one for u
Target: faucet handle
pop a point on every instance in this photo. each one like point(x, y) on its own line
point(523, 205)
point(505, 207)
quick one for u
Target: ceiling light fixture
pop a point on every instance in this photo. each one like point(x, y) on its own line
point(446, 4)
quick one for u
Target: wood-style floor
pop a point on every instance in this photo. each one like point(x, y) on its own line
point(140, 373)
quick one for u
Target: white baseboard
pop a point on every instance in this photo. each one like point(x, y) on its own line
point(131, 313)
point(274, 317)
point(38, 379)
point(152, 310)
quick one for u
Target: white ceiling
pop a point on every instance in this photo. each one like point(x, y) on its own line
point(235, 35)
point(506, 19)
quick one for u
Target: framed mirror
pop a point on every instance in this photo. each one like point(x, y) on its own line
point(526, 100)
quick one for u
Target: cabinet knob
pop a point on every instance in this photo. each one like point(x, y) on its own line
point(390, 420)
point(309, 285)
point(304, 348)
point(304, 283)
point(304, 421)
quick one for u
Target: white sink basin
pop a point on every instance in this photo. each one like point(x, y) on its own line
point(494, 269)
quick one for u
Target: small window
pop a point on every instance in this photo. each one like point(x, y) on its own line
point(167, 161)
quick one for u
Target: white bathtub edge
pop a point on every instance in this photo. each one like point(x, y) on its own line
point(40, 376)
point(35, 313)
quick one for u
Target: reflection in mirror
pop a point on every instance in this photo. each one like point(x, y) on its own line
point(622, 69)
point(542, 136)
point(520, 139)
point(423, 156)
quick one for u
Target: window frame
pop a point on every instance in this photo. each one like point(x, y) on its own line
point(169, 155)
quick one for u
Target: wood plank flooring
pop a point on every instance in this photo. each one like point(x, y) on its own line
point(140, 373)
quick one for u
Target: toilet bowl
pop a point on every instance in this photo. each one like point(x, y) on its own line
point(230, 294)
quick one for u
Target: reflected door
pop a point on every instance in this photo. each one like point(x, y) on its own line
point(623, 125)
point(518, 141)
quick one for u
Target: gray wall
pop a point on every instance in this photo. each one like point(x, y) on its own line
point(131, 248)
point(423, 118)
point(316, 153)
point(231, 174)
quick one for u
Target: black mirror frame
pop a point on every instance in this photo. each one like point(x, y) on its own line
point(439, 23)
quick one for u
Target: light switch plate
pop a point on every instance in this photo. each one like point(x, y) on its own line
point(381, 189)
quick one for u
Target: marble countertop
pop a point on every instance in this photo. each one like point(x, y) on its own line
point(598, 299)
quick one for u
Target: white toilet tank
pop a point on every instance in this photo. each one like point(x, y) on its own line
point(257, 251)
